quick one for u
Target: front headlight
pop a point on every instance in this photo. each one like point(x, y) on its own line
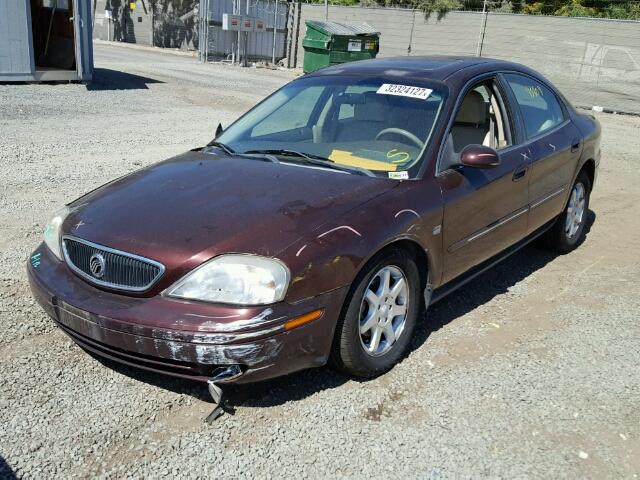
point(237, 279)
point(53, 231)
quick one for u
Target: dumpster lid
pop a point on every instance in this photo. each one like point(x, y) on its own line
point(335, 28)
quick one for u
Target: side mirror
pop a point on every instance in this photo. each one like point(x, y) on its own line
point(219, 130)
point(479, 156)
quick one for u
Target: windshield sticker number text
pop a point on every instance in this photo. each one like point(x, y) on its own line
point(404, 91)
point(398, 175)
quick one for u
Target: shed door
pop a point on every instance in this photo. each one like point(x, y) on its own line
point(84, 40)
point(16, 53)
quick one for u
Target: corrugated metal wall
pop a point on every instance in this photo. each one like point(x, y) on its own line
point(593, 61)
point(15, 39)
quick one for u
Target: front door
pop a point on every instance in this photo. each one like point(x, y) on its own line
point(485, 210)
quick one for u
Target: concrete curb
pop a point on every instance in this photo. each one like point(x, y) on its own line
point(192, 54)
point(134, 46)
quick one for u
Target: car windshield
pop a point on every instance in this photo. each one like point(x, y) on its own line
point(359, 124)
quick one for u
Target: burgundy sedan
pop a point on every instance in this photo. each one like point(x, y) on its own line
point(318, 225)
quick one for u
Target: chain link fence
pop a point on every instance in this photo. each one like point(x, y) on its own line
point(269, 45)
point(594, 61)
point(197, 25)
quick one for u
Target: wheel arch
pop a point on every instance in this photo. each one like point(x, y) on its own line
point(590, 169)
point(422, 257)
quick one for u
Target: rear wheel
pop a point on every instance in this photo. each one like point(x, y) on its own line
point(379, 317)
point(569, 229)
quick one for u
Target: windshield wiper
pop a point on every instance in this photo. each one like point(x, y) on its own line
point(221, 145)
point(314, 160)
point(229, 151)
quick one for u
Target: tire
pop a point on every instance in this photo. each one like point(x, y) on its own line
point(358, 354)
point(568, 232)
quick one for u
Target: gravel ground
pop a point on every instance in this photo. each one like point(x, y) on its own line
point(531, 372)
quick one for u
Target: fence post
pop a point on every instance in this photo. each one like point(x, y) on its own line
point(245, 40)
point(236, 10)
point(275, 29)
point(201, 12)
point(295, 52)
point(289, 37)
point(206, 32)
point(483, 27)
point(413, 22)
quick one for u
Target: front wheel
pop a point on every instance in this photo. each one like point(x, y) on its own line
point(380, 316)
point(569, 229)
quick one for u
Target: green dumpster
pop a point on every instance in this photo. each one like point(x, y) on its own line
point(330, 43)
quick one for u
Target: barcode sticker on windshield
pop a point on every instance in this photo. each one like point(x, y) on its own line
point(404, 175)
point(404, 91)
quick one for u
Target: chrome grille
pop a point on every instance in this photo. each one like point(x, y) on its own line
point(118, 270)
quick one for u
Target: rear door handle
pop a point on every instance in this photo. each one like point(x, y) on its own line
point(575, 146)
point(520, 173)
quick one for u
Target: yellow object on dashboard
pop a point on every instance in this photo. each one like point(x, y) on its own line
point(347, 158)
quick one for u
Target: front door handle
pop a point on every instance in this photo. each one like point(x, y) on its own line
point(520, 173)
point(575, 145)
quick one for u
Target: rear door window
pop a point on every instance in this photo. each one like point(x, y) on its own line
point(540, 108)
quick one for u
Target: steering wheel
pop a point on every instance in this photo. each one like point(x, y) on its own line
point(399, 131)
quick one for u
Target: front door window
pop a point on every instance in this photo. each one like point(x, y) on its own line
point(481, 119)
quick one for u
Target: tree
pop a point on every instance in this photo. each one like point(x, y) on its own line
point(624, 9)
point(439, 7)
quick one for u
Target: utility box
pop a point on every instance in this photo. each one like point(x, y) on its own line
point(331, 43)
point(242, 23)
point(247, 24)
point(231, 22)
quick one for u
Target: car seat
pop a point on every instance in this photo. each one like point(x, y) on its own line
point(368, 119)
point(471, 125)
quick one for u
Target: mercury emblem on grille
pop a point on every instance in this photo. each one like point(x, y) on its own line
point(97, 265)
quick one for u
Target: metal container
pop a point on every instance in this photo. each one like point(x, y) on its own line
point(49, 42)
point(330, 43)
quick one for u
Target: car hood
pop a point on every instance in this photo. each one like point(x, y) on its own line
point(188, 209)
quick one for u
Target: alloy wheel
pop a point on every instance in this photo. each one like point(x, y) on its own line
point(575, 210)
point(383, 312)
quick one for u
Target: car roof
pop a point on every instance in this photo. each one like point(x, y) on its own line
point(435, 67)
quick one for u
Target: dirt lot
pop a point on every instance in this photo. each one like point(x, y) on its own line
point(531, 372)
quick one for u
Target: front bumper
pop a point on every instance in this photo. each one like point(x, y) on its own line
point(183, 338)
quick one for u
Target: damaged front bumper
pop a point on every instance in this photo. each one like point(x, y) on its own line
point(186, 339)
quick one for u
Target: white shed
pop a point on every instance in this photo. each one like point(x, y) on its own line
point(45, 40)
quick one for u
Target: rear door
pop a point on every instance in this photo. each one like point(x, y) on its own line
point(553, 143)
